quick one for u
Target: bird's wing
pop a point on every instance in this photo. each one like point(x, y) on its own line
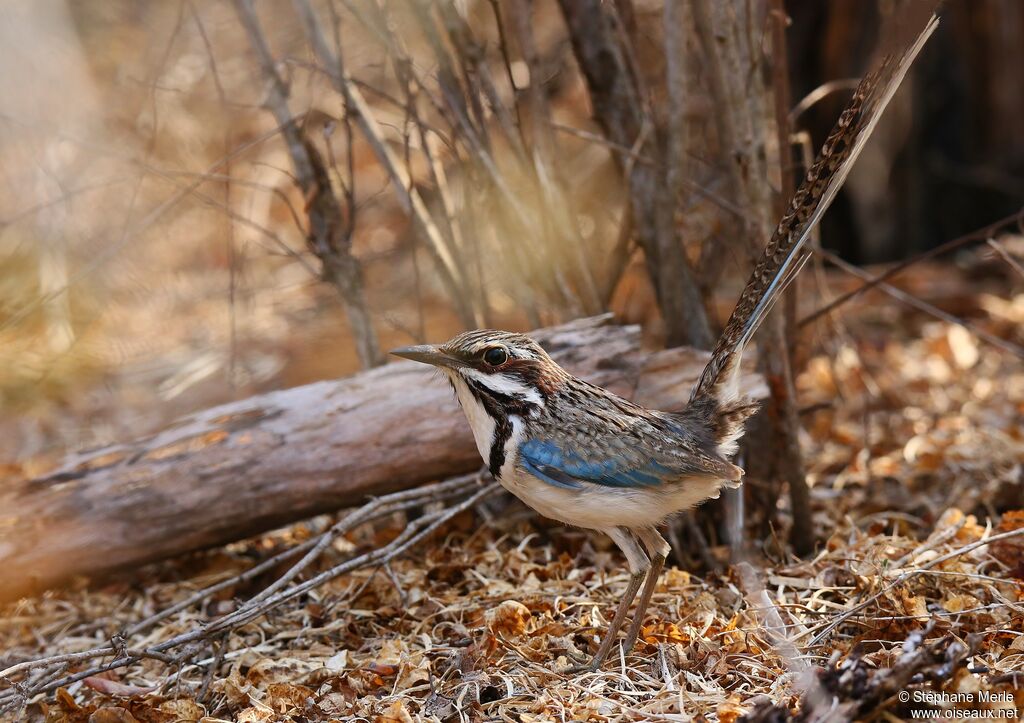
point(616, 461)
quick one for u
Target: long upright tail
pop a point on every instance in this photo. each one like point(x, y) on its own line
point(785, 253)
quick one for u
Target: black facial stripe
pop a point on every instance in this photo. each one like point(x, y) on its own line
point(498, 407)
point(502, 427)
point(502, 432)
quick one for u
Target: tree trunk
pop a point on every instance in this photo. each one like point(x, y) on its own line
point(249, 466)
point(619, 108)
point(742, 111)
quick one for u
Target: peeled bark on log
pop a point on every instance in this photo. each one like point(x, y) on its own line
point(250, 466)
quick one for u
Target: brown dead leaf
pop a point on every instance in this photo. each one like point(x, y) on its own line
point(1017, 646)
point(1011, 551)
point(334, 704)
point(413, 673)
point(389, 655)
point(914, 605)
point(674, 579)
point(963, 346)
point(959, 603)
point(234, 687)
point(377, 672)
point(112, 714)
point(553, 628)
point(663, 632)
point(729, 711)
point(286, 697)
point(394, 714)
point(279, 670)
point(72, 712)
point(183, 710)
point(256, 714)
point(509, 619)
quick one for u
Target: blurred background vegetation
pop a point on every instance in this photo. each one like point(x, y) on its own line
point(199, 203)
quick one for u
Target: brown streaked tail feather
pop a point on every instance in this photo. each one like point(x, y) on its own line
point(785, 252)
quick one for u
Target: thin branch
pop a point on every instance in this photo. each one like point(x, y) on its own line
point(386, 504)
point(633, 155)
point(816, 95)
point(620, 108)
point(223, 207)
point(924, 306)
point(981, 234)
point(740, 102)
point(326, 235)
point(506, 59)
point(144, 224)
point(272, 597)
point(401, 180)
point(675, 81)
point(908, 575)
point(621, 253)
point(1006, 256)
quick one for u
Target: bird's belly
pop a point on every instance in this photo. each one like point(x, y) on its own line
point(598, 507)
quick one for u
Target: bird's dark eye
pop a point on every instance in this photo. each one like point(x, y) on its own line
point(496, 356)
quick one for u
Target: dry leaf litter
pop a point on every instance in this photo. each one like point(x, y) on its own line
point(915, 450)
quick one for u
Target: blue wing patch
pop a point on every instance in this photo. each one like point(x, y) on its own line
point(566, 468)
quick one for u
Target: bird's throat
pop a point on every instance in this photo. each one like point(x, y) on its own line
point(490, 423)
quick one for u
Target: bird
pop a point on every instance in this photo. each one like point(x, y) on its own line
point(586, 457)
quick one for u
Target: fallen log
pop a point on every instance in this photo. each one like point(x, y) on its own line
point(247, 467)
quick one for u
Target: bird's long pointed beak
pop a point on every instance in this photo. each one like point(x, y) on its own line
point(425, 353)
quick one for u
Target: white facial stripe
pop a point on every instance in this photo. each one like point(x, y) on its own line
point(505, 384)
point(479, 420)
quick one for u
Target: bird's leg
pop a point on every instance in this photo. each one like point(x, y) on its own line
point(617, 621)
point(639, 564)
point(658, 549)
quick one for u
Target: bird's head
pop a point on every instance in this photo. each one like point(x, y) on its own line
point(499, 368)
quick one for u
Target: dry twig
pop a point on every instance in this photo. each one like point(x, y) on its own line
point(329, 234)
point(188, 643)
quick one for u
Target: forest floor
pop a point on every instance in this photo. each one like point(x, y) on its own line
point(915, 446)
